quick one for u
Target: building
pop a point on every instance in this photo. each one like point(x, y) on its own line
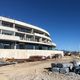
point(17, 36)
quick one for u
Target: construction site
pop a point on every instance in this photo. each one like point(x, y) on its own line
point(41, 69)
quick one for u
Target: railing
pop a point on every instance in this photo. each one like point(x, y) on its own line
point(7, 28)
point(43, 36)
point(9, 37)
point(17, 38)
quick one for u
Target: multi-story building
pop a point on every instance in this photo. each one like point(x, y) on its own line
point(19, 35)
point(20, 40)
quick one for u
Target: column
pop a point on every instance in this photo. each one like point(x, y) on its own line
point(14, 28)
point(34, 37)
point(34, 47)
point(32, 31)
point(44, 34)
point(40, 40)
point(0, 23)
point(13, 25)
point(25, 36)
point(1, 31)
point(15, 45)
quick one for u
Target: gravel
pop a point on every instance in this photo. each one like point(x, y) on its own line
point(47, 76)
point(34, 71)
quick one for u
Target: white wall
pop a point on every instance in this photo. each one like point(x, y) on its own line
point(25, 54)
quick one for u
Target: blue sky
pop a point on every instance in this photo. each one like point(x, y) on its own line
point(60, 17)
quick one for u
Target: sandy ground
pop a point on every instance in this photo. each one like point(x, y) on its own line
point(34, 71)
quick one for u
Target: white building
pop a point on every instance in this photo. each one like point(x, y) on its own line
point(20, 40)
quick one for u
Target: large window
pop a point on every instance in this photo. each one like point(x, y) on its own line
point(5, 45)
point(20, 35)
point(22, 29)
point(39, 32)
point(30, 46)
point(47, 35)
point(29, 38)
point(7, 24)
point(7, 32)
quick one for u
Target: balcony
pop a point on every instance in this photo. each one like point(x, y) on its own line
point(7, 28)
point(9, 37)
point(40, 35)
point(28, 40)
point(54, 44)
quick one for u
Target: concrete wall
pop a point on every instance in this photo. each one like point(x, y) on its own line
point(25, 54)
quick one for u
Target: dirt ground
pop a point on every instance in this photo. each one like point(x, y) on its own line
point(35, 71)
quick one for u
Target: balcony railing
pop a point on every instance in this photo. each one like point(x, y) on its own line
point(17, 38)
point(7, 28)
point(40, 35)
point(8, 37)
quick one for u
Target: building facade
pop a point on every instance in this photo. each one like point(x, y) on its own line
point(20, 40)
point(20, 35)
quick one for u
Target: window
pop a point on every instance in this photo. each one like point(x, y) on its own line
point(7, 24)
point(22, 29)
point(7, 32)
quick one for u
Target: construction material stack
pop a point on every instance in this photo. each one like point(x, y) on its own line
point(64, 68)
point(61, 67)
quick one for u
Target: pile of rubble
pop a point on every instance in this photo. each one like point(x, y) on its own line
point(65, 68)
